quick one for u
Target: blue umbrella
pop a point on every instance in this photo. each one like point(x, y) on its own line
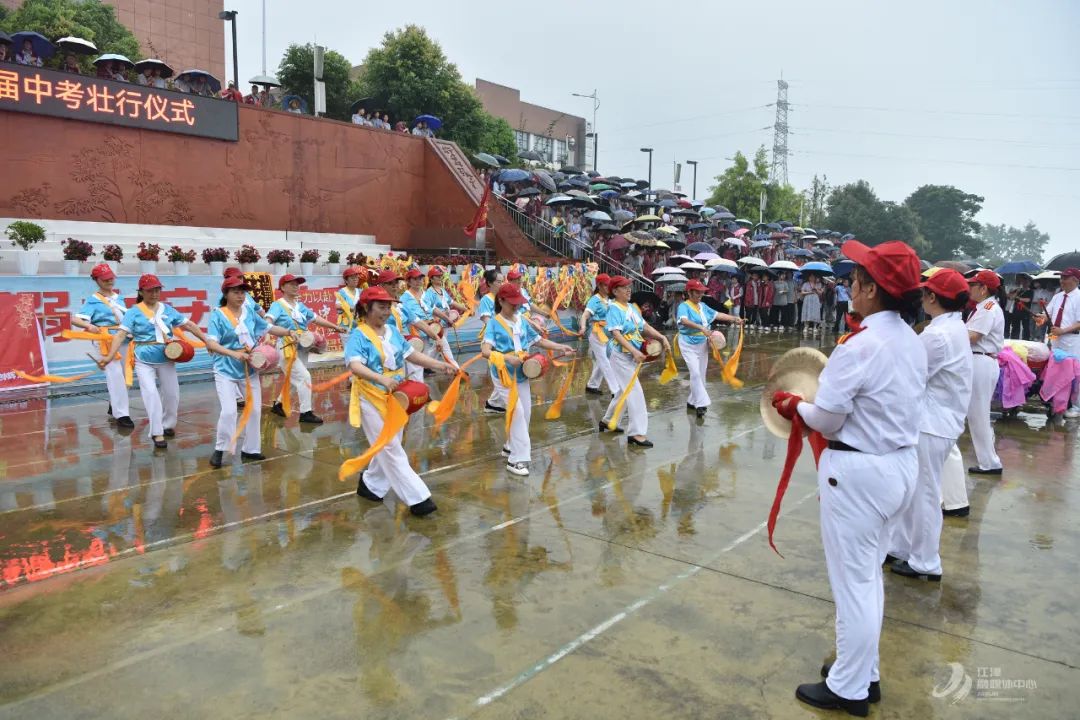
point(289, 98)
point(785, 223)
point(758, 244)
point(1027, 267)
point(514, 175)
point(699, 226)
point(433, 122)
point(774, 226)
point(708, 211)
point(578, 181)
point(722, 215)
point(798, 252)
point(721, 208)
point(42, 47)
point(699, 247)
point(667, 203)
point(608, 194)
point(820, 267)
point(842, 268)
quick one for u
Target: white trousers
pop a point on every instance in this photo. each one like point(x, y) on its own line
point(390, 469)
point(299, 379)
point(860, 495)
point(518, 441)
point(697, 361)
point(161, 404)
point(440, 349)
point(601, 369)
point(622, 367)
point(984, 380)
point(227, 389)
point(118, 391)
point(499, 394)
point(954, 481)
point(916, 534)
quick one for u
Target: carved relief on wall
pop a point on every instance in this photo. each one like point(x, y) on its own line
point(455, 159)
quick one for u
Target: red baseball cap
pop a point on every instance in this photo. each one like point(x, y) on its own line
point(386, 276)
point(511, 294)
point(233, 272)
point(353, 270)
point(435, 271)
point(946, 283)
point(1073, 273)
point(695, 285)
point(989, 278)
point(618, 281)
point(234, 281)
point(376, 294)
point(603, 279)
point(149, 282)
point(102, 272)
point(414, 273)
point(288, 278)
point(893, 265)
point(514, 274)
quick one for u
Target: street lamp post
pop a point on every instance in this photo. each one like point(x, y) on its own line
point(596, 104)
point(230, 17)
point(694, 163)
point(649, 150)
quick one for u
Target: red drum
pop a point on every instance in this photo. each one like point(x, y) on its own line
point(305, 339)
point(415, 343)
point(653, 349)
point(179, 351)
point(535, 366)
point(717, 341)
point(412, 395)
point(264, 358)
point(319, 344)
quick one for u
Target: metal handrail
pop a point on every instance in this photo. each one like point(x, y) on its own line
point(563, 244)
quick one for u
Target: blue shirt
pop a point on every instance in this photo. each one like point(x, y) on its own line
point(414, 308)
point(279, 315)
point(842, 294)
point(629, 322)
point(344, 298)
point(252, 304)
point(221, 329)
point(143, 331)
point(359, 347)
point(501, 340)
point(101, 313)
point(704, 315)
point(486, 307)
point(437, 299)
point(597, 307)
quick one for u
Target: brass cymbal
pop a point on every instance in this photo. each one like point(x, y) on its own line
point(797, 371)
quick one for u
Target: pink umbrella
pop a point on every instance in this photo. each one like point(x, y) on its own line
point(741, 231)
point(617, 242)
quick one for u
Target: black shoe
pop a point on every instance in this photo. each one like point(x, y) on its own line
point(110, 410)
point(169, 432)
point(363, 491)
point(592, 390)
point(873, 694)
point(902, 568)
point(424, 507)
point(979, 471)
point(957, 512)
point(125, 422)
point(820, 696)
point(310, 418)
point(891, 559)
point(701, 412)
point(240, 403)
point(161, 444)
point(216, 458)
point(488, 407)
point(249, 457)
point(604, 428)
point(639, 443)
point(278, 410)
point(690, 407)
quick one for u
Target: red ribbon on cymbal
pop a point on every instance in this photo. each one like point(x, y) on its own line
point(794, 449)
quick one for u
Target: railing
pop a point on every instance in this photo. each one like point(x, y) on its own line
point(563, 244)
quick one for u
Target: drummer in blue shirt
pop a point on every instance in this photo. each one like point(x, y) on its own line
point(496, 402)
point(103, 311)
point(443, 307)
point(695, 320)
point(417, 316)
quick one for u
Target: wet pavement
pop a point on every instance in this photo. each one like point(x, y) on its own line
point(610, 583)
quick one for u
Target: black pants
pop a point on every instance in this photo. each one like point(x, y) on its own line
point(1017, 324)
point(776, 315)
point(841, 311)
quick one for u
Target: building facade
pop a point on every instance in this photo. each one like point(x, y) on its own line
point(184, 33)
point(558, 137)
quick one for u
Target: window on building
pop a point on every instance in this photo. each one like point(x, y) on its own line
point(542, 145)
point(522, 139)
point(560, 152)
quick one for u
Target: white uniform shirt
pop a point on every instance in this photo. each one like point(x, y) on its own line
point(948, 384)
point(1069, 316)
point(988, 319)
point(877, 379)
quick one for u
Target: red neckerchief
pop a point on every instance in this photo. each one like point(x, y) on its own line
point(854, 328)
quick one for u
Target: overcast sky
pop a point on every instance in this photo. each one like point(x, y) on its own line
point(981, 95)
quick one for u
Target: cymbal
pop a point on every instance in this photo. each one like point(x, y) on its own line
point(797, 371)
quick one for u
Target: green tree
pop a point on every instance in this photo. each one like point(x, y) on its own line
point(856, 208)
point(1004, 244)
point(739, 187)
point(816, 196)
point(947, 221)
point(91, 20)
point(784, 203)
point(296, 72)
point(410, 75)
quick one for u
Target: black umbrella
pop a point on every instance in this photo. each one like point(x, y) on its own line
point(558, 176)
point(530, 155)
point(485, 159)
point(1064, 261)
point(593, 174)
point(5, 39)
point(529, 192)
point(569, 170)
point(364, 102)
point(649, 302)
point(642, 184)
point(502, 160)
point(545, 180)
point(565, 186)
point(607, 227)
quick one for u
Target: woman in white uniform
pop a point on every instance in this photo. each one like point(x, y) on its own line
point(627, 331)
point(151, 323)
point(103, 312)
point(986, 329)
point(1063, 315)
point(511, 336)
point(235, 330)
point(868, 406)
point(375, 353)
point(593, 320)
point(694, 320)
point(916, 535)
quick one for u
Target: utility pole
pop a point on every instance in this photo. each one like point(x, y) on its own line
point(778, 170)
point(596, 104)
point(649, 150)
point(229, 16)
point(693, 163)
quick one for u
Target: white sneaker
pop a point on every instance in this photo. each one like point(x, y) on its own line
point(519, 468)
point(1073, 413)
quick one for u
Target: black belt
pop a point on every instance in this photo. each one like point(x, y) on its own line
point(989, 355)
point(842, 446)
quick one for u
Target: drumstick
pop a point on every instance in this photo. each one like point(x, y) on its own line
point(101, 365)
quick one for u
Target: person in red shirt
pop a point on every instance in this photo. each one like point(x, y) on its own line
point(231, 93)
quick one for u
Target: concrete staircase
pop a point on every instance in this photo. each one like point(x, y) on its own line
point(128, 237)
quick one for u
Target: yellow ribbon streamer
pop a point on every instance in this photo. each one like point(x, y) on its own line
point(613, 423)
point(441, 410)
point(289, 349)
point(675, 348)
point(51, 378)
point(555, 411)
point(336, 380)
point(732, 365)
point(498, 361)
point(245, 415)
point(103, 339)
point(670, 372)
point(394, 420)
point(566, 289)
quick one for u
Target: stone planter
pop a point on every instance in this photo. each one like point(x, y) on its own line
point(181, 268)
point(217, 267)
point(147, 267)
point(247, 267)
point(277, 268)
point(71, 267)
point(333, 268)
point(28, 261)
point(115, 265)
point(307, 268)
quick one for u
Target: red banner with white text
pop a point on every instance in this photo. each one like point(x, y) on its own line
point(23, 347)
